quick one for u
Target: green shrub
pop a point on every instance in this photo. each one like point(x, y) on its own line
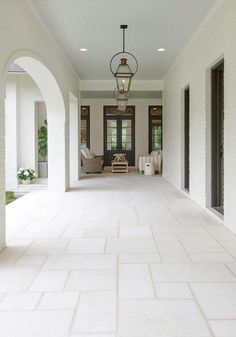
point(9, 197)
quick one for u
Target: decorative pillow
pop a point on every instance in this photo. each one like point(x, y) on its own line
point(155, 153)
point(88, 153)
point(84, 153)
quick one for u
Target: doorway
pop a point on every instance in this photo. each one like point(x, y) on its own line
point(217, 137)
point(186, 138)
point(119, 134)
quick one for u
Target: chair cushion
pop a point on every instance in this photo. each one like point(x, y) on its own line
point(155, 153)
point(87, 153)
point(84, 153)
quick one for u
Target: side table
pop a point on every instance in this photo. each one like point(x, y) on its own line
point(119, 166)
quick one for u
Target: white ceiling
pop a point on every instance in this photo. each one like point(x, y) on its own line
point(95, 24)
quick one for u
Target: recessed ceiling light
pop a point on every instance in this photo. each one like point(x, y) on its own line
point(161, 49)
point(83, 49)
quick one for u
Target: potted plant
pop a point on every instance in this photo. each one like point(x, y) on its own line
point(26, 175)
point(43, 150)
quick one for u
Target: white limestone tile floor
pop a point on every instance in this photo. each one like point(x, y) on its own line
point(116, 256)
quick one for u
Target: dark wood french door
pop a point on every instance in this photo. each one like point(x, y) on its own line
point(119, 134)
point(217, 137)
point(186, 138)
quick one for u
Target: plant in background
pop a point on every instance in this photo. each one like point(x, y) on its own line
point(26, 174)
point(43, 140)
point(9, 197)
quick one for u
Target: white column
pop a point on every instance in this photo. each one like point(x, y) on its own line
point(11, 134)
point(57, 153)
point(74, 139)
point(2, 173)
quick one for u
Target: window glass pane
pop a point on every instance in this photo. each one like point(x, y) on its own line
point(84, 136)
point(111, 134)
point(126, 134)
point(126, 123)
point(155, 115)
point(156, 137)
point(111, 123)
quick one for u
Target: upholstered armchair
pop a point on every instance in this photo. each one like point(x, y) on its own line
point(155, 157)
point(91, 163)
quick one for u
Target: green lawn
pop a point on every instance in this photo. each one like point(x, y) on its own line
point(9, 197)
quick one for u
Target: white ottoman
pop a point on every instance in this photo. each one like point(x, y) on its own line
point(149, 169)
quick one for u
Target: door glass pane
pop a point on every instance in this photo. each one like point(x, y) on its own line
point(126, 134)
point(111, 134)
point(156, 137)
point(83, 133)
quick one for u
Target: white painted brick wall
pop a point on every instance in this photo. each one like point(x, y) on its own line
point(2, 175)
point(11, 153)
point(214, 39)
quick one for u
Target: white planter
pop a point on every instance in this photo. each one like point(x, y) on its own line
point(26, 182)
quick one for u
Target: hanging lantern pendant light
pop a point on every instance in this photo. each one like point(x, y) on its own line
point(123, 73)
point(121, 99)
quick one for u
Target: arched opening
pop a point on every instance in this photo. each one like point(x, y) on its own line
point(25, 134)
point(58, 127)
point(57, 170)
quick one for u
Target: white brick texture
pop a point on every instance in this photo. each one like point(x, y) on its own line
point(214, 40)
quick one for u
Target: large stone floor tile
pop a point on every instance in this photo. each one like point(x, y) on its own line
point(173, 290)
point(130, 245)
point(200, 243)
point(31, 260)
point(165, 318)
point(16, 279)
point(85, 280)
point(135, 282)
point(217, 300)
point(47, 247)
point(80, 262)
point(230, 247)
point(139, 258)
point(96, 335)
point(59, 301)
point(20, 301)
point(189, 272)
point(220, 232)
point(86, 246)
point(224, 328)
point(49, 281)
point(35, 323)
point(135, 232)
point(211, 257)
point(10, 255)
point(101, 232)
point(172, 251)
point(96, 313)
